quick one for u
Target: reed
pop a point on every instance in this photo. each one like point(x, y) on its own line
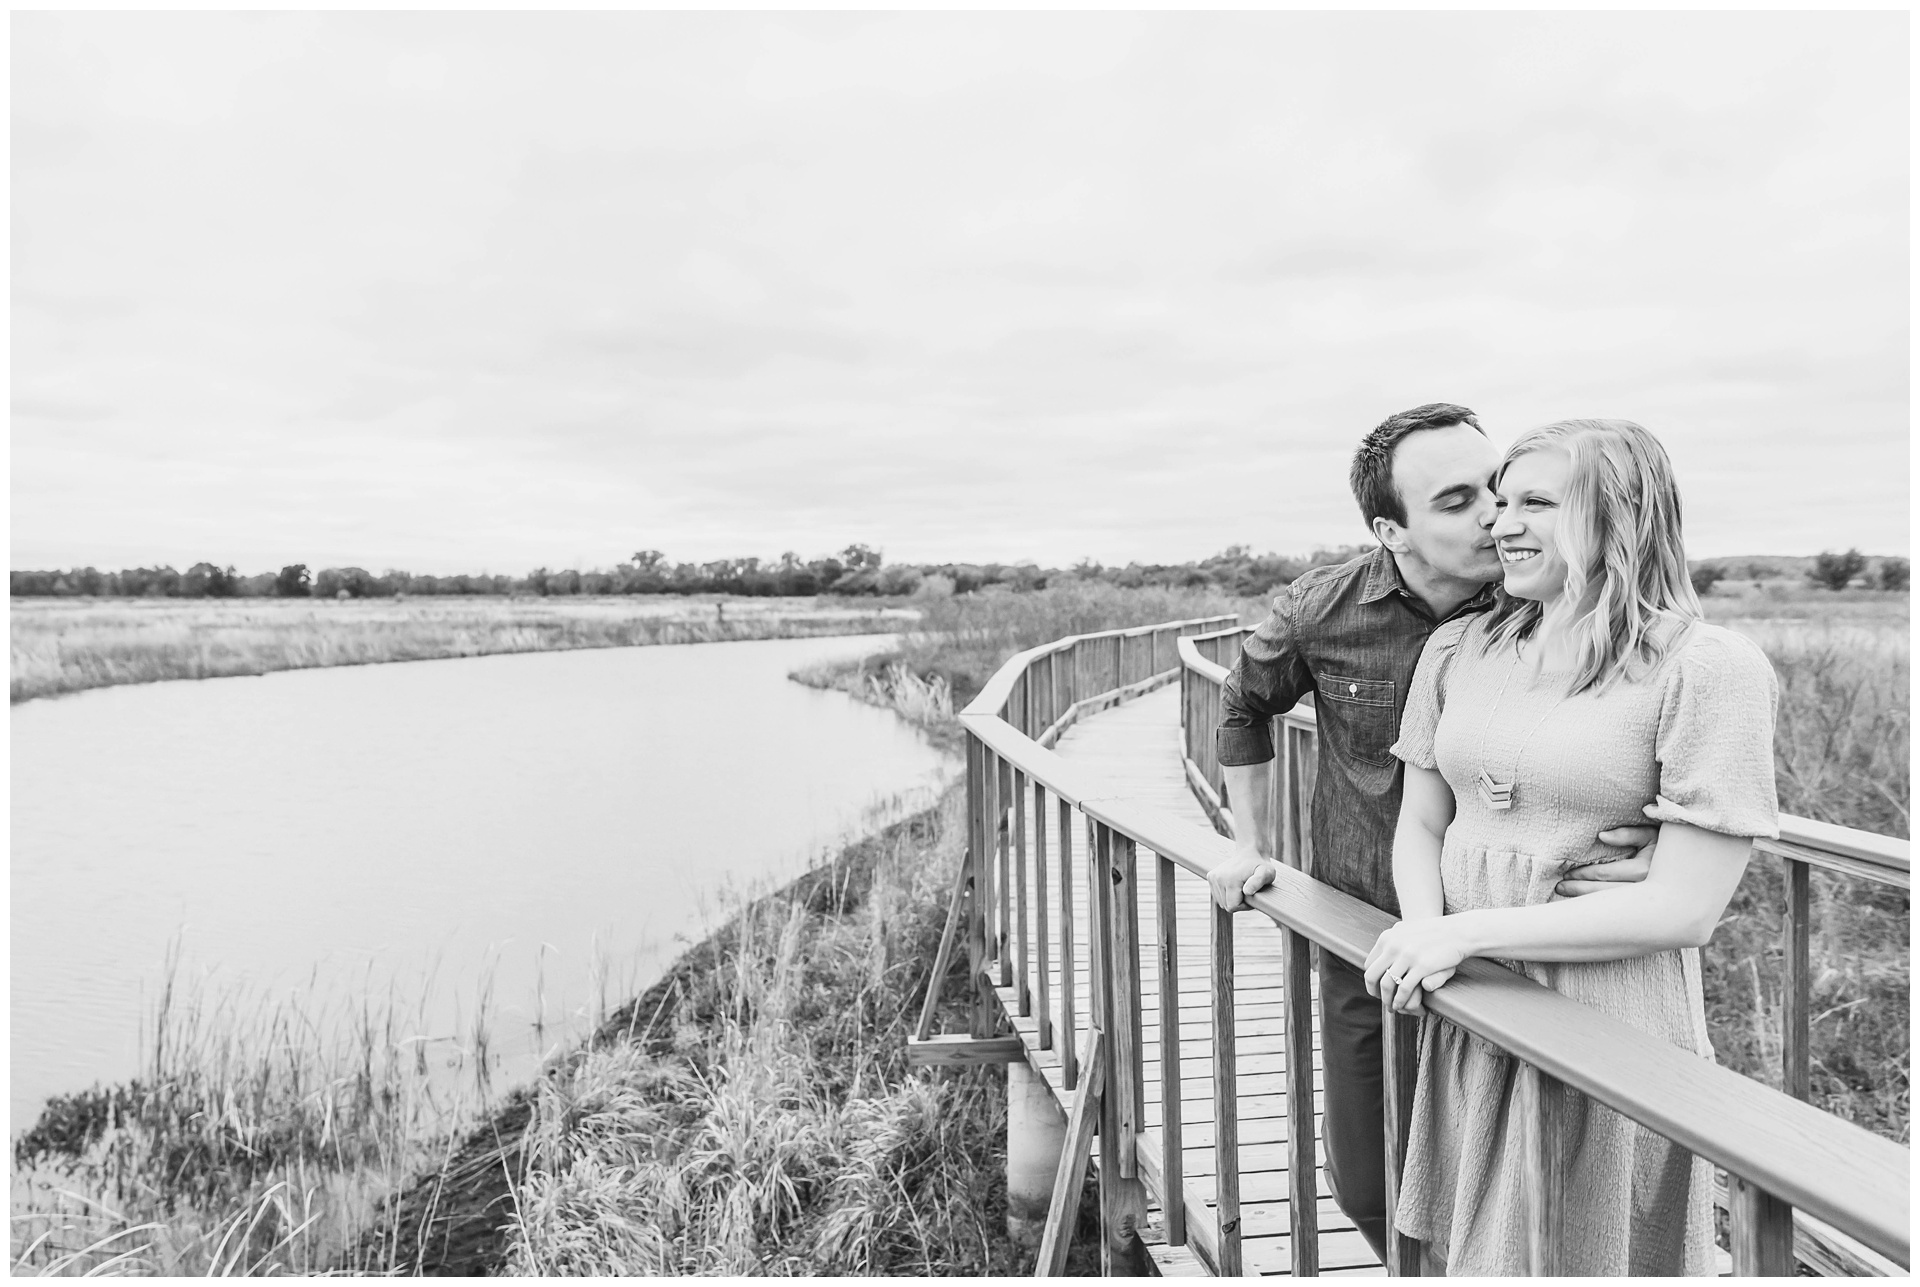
point(762, 1118)
point(1842, 754)
point(260, 1138)
point(65, 645)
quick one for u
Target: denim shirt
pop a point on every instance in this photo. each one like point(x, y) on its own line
point(1350, 635)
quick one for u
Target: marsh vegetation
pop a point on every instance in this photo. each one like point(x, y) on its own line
point(64, 645)
point(752, 1112)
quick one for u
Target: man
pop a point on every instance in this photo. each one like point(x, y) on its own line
point(1351, 635)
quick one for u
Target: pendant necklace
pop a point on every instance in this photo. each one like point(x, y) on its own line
point(1495, 794)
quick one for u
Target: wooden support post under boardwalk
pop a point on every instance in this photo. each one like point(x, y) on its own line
point(1173, 1181)
point(1762, 1234)
point(1796, 1005)
point(1400, 1063)
point(956, 913)
point(1226, 1100)
point(1544, 1158)
point(1070, 1180)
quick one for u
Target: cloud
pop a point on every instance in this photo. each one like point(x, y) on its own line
point(452, 290)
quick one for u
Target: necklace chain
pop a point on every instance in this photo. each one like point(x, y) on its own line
point(1495, 794)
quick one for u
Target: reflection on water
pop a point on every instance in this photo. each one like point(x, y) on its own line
point(558, 825)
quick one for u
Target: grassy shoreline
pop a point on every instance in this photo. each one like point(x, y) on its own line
point(755, 1100)
point(69, 645)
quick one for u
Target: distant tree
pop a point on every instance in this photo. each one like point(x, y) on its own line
point(209, 581)
point(293, 582)
point(1704, 577)
point(1895, 574)
point(1836, 571)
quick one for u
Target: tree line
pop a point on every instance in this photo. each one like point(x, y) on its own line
point(856, 570)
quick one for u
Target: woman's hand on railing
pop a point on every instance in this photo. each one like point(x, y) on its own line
point(1239, 876)
point(1412, 958)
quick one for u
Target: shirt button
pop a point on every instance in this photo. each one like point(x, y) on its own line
point(1353, 688)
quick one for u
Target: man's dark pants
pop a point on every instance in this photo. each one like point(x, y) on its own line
point(1352, 1125)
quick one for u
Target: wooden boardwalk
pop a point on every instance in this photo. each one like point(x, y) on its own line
point(1136, 747)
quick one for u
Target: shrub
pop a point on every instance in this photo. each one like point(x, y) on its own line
point(1704, 576)
point(1835, 571)
point(1895, 574)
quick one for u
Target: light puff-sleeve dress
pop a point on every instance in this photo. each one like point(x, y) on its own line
point(1692, 742)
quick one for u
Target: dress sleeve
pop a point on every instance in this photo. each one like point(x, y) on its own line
point(1428, 696)
point(1715, 741)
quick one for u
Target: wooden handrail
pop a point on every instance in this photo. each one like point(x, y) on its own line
point(1777, 1168)
point(1780, 1153)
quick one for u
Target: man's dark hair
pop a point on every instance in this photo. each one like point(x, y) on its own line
point(1372, 474)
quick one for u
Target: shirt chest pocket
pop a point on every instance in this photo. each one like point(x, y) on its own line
point(1368, 718)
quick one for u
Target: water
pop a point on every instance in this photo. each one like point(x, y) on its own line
point(514, 816)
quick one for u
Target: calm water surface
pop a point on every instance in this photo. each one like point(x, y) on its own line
point(508, 818)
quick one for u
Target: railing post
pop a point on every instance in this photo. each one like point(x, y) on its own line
point(1042, 922)
point(1002, 791)
point(1123, 1205)
point(980, 1021)
point(1544, 1162)
point(1069, 971)
point(1024, 986)
point(1226, 1100)
point(1173, 1204)
point(1796, 1010)
point(1296, 993)
point(1400, 1062)
point(1762, 1234)
point(1126, 1031)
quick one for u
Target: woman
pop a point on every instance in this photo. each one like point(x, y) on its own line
point(1591, 695)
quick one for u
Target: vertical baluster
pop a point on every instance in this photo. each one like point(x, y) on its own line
point(1303, 1194)
point(990, 860)
point(1173, 1186)
point(1762, 1234)
point(980, 1022)
point(1122, 1196)
point(1040, 919)
point(1024, 996)
point(1129, 1049)
point(1796, 1008)
point(1003, 795)
point(1544, 1165)
point(1069, 971)
point(1400, 1060)
point(1226, 1102)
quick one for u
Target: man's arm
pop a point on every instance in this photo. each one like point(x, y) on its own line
point(1266, 680)
point(1250, 795)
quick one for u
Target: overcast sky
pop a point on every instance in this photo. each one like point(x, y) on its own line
point(458, 291)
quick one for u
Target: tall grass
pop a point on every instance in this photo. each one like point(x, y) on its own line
point(961, 640)
point(65, 645)
point(261, 1137)
point(762, 1118)
point(1842, 754)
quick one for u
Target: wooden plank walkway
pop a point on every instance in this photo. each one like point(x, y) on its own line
point(1136, 746)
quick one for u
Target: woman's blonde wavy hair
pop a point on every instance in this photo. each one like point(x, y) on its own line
point(1628, 598)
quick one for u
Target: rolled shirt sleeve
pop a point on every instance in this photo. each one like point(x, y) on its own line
point(1715, 740)
point(1266, 680)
